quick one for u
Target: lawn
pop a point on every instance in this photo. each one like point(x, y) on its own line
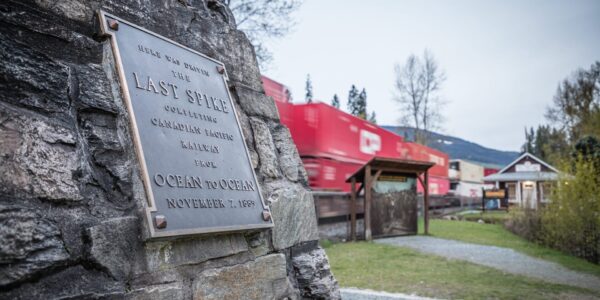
point(492, 217)
point(496, 235)
point(401, 270)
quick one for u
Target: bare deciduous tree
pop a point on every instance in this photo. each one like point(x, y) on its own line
point(418, 83)
point(262, 20)
point(576, 105)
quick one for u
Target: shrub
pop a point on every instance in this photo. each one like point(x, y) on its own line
point(571, 222)
point(526, 223)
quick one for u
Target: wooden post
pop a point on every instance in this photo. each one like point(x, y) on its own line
point(506, 197)
point(367, 183)
point(482, 200)
point(375, 177)
point(538, 195)
point(426, 202)
point(353, 209)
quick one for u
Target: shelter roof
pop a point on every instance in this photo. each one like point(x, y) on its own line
point(522, 176)
point(533, 157)
point(392, 166)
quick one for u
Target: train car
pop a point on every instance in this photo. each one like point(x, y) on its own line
point(328, 174)
point(320, 130)
point(280, 93)
point(276, 90)
point(489, 171)
point(462, 170)
point(438, 186)
point(333, 144)
point(423, 153)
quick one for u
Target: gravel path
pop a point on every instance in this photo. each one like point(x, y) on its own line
point(504, 259)
point(359, 294)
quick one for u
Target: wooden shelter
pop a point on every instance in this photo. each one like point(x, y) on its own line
point(370, 172)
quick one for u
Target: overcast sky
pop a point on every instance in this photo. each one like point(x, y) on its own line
point(503, 59)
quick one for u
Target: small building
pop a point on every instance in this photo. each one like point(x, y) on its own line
point(528, 181)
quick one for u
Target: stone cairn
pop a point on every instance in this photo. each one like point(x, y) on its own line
point(71, 195)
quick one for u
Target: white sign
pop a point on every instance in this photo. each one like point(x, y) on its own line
point(528, 167)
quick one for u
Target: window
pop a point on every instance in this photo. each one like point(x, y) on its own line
point(454, 166)
point(547, 187)
point(512, 191)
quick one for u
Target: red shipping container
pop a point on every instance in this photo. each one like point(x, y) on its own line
point(278, 91)
point(286, 113)
point(424, 153)
point(437, 186)
point(329, 175)
point(320, 130)
point(489, 171)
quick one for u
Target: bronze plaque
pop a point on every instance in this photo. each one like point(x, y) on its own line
point(195, 164)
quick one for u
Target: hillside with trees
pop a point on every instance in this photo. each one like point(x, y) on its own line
point(458, 148)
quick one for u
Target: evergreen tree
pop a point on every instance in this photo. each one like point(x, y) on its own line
point(357, 103)
point(309, 90)
point(361, 105)
point(352, 100)
point(588, 149)
point(529, 140)
point(335, 102)
point(549, 144)
point(558, 146)
point(373, 118)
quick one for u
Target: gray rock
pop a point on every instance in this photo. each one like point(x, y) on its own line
point(157, 292)
point(253, 158)
point(314, 276)
point(94, 89)
point(50, 34)
point(40, 157)
point(259, 243)
point(289, 159)
point(248, 135)
point(293, 213)
point(257, 104)
point(112, 245)
point(265, 148)
point(67, 155)
point(264, 278)
point(29, 244)
point(74, 282)
point(43, 82)
point(162, 255)
point(72, 9)
point(233, 49)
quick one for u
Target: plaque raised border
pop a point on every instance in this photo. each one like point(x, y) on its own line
point(109, 25)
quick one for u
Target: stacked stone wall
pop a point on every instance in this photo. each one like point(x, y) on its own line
point(71, 195)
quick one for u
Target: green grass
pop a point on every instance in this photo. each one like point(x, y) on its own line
point(496, 235)
point(492, 217)
point(401, 270)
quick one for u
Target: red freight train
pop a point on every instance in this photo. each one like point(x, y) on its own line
point(334, 144)
point(321, 130)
